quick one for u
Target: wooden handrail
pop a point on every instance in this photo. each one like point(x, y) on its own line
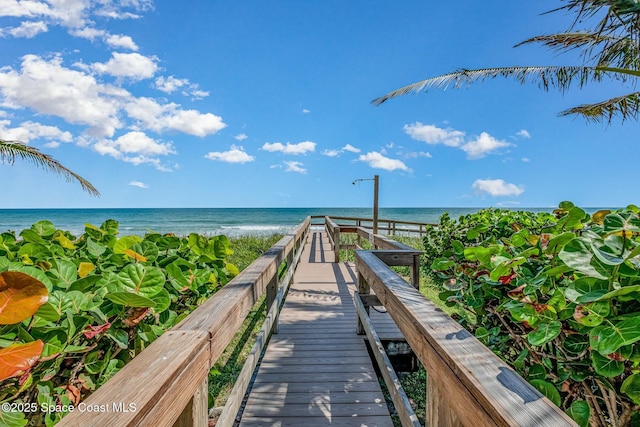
point(166, 384)
point(466, 382)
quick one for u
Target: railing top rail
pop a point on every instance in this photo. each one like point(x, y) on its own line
point(482, 388)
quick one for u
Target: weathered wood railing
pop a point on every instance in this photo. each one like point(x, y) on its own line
point(166, 384)
point(467, 384)
point(385, 226)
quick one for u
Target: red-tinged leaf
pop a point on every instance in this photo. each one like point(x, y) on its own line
point(505, 280)
point(92, 331)
point(516, 292)
point(482, 273)
point(135, 316)
point(615, 356)
point(19, 358)
point(73, 393)
point(20, 296)
point(540, 307)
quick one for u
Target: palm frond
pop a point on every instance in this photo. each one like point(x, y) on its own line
point(559, 77)
point(570, 40)
point(10, 150)
point(626, 106)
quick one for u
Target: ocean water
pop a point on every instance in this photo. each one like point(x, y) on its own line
point(229, 221)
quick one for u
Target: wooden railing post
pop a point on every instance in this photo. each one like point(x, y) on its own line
point(196, 413)
point(272, 291)
point(363, 289)
point(415, 272)
point(336, 244)
point(438, 412)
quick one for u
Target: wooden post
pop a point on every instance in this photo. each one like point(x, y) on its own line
point(196, 413)
point(336, 244)
point(439, 413)
point(415, 272)
point(359, 224)
point(272, 290)
point(376, 182)
point(363, 289)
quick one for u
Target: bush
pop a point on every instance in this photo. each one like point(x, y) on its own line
point(101, 299)
point(557, 298)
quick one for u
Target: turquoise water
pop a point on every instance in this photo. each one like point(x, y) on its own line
point(232, 222)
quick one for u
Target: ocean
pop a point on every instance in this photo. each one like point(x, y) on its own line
point(232, 222)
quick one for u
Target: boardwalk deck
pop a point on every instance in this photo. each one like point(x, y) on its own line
point(316, 370)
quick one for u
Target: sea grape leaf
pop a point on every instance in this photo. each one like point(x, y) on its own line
point(631, 387)
point(616, 222)
point(546, 332)
point(125, 243)
point(576, 254)
point(84, 284)
point(144, 280)
point(85, 268)
point(130, 299)
point(576, 343)
point(66, 271)
point(580, 412)
point(48, 312)
point(18, 358)
point(20, 296)
point(44, 228)
point(135, 256)
point(608, 338)
point(162, 300)
point(548, 389)
point(557, 243)
point(34, 251)
point(12, 419)
point(94, 248)
point(30, 236)
point(64, 241)
point(586, 289)
point(606, 366)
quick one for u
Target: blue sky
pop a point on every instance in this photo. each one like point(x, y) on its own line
point(267, 104)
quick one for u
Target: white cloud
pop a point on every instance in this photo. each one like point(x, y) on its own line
point(170, 84)
point(89, 33)
point(129, 65)
point(416, 154)
point(29, 131)
point(295, 149)
point(331, 153)
point(295, 167)
point(524, 133)
point(305, 111)
point(525, 159)
point(158, 117)
point(496, 187)
point(138, 184)
point(482, 146)
point(121, 41)
point(234, 155)
point(28, 29)
point(241, 137)
point(136, 148)
point(378, 161)
point(434, 135)
point(52, 144)
point(48, 88)
point(351, 148)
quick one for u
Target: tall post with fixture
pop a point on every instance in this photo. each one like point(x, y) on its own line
point(376, 180)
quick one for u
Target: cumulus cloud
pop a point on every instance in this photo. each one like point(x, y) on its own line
point(138, 184)
point(294, 149)
point(28, 131)
point(434, 135)
point(235, 154)
point(295, 167)
point(28, 29)
point(416, 154)
point(496, 187)
point(378, 161)
point(483, 145)
point(351, 148)
point(170, 84)
point(135, 148)
point(241, 137)
point(523, 133)
point(121, 41)
point(130, 65)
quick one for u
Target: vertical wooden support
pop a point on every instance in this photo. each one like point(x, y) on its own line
point(415, 272)
point(363, 289)
point(196, 413)
point(336, 244)
point(439, 413)
point(359, 224)
point(272, 290)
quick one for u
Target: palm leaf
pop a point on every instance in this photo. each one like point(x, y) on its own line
point(554, 76)
point(10, 150)
point(627, 106)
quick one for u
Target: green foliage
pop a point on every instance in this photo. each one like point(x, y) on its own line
point(109, 297)
point(556, 296)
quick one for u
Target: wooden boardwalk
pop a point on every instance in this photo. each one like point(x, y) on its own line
point(316, 371)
